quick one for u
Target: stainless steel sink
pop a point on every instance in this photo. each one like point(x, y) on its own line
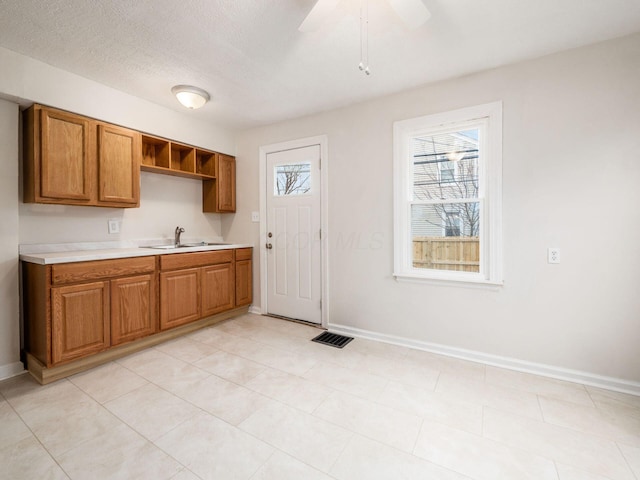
point(201, 244)
point(184, 245)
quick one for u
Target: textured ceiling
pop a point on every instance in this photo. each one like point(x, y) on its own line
point(257, 66)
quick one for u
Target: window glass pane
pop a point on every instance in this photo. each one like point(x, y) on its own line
point(292, 179)
point(445, 236)
point(445, 165)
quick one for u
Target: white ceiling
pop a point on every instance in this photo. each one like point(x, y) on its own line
point(257, 66)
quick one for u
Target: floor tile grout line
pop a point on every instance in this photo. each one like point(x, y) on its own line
point(368, 436)
point(202, 410)
point(435, 385)
point(183, 470)
point(588, 392)
point(261, 465)
point(541, 409)
point(116, 397)
point(626, 461)
point(500, 442)
point(415, 443)
point(275, 447)
point(562, 427)
point(339, 456)
point(180, 423)
point(36, 438)
point(251, 338)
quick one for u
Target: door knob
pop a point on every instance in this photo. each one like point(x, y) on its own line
point(269, 246)
point(269, 234)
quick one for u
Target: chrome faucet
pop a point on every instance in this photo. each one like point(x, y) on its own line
point(176, 238)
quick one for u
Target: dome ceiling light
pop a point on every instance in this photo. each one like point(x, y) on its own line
point(190, 96)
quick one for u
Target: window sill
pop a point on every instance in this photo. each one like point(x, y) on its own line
point(448, 280)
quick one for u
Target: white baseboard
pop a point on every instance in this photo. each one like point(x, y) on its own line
point(255, 309)
point(11, 370)
point(576, 376)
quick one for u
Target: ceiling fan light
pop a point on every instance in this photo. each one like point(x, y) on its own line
point(190, 96)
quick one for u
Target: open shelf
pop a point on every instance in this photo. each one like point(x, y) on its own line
point(205, 163)
point(183, 158)
point(170, 158)
point(155, 152)
point(216, 170)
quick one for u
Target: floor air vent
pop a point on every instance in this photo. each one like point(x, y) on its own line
point(333, 339)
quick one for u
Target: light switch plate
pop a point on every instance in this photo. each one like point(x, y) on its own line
point(113, 225)
point(255, 216)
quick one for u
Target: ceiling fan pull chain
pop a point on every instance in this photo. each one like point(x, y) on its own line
point(361, 64)
point(366, 69)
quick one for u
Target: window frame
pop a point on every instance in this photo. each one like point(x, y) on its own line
point(488, 115)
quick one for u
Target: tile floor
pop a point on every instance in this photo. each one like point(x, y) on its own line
point(252, 398)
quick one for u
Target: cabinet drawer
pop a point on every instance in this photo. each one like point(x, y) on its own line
point(94, 270)
point(243, 253)
point(195, 259)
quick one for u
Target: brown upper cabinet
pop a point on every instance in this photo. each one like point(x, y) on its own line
point(119, 153)
point(217, 170)
point(75, 160)
point(219, 195)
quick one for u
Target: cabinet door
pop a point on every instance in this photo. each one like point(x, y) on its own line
point(226, 183)
point(243, 282)
point(79, 320)
point(133, 307)
point(119, 152)
point(218, 290)
point(66, 167)
point(179, 297)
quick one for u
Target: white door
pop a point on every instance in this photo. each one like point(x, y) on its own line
point(293, 234)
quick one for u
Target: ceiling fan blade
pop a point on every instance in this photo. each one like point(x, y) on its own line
point(412, 12)
point(317, 15)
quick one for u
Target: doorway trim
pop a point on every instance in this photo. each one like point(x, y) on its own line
point(322, 141)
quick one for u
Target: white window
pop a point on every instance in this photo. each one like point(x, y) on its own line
point(293, 179)
point(447, 196)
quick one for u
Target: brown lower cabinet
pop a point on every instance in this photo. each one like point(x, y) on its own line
point(243, 276)
point(217, 288)
point(205, 288)
point(133, 308)
point(179, 298)
point(77, 310)
point(80, 320)
point(72, 310)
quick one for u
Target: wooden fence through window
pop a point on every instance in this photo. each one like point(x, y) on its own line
point(447, 253)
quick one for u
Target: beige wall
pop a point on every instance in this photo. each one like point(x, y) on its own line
point(571, 176)
point(165, 201)
point(9, 311)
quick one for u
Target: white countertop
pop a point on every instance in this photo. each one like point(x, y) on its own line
point(88, 254)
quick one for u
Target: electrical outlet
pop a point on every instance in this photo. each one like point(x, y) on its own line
point(113, 225)
point(255, 216)
point(553, 255)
